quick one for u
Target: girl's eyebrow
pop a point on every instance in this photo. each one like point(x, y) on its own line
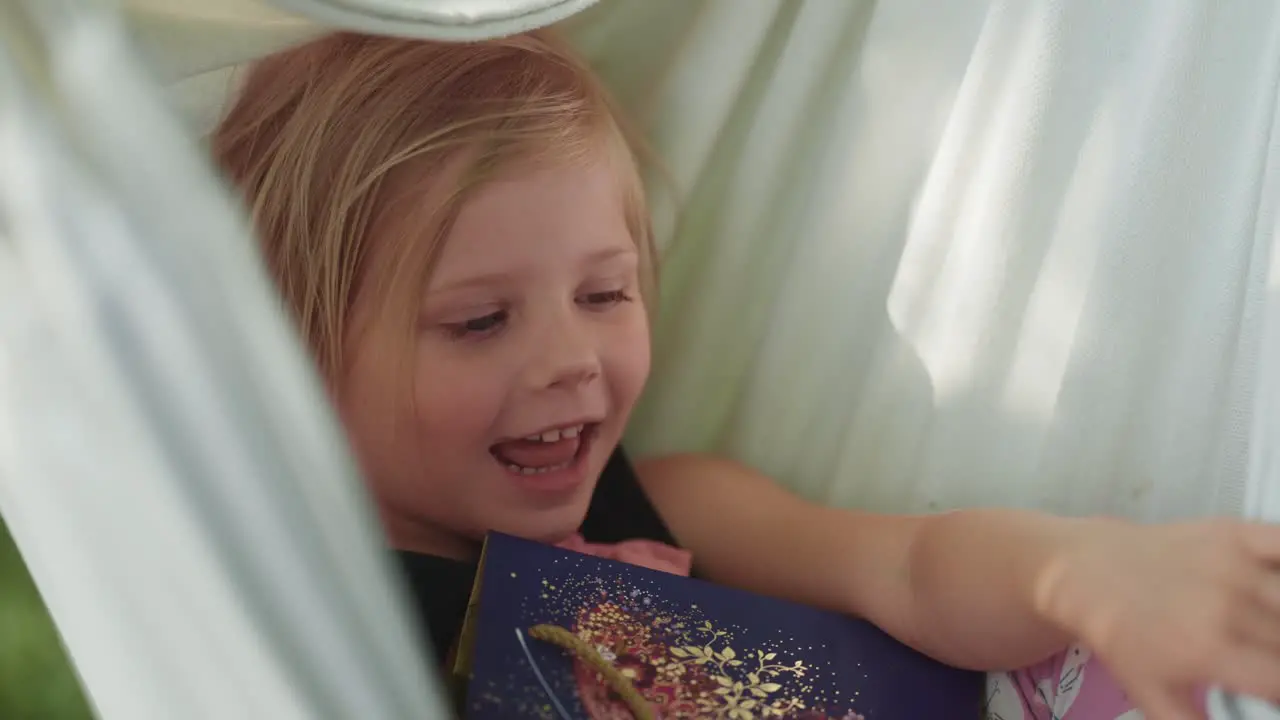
point(607, 254)
point(474, 281)
point(499, 278)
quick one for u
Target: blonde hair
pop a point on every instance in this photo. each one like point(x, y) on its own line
point(316, 132)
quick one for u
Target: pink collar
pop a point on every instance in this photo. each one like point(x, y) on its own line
point(644, 553)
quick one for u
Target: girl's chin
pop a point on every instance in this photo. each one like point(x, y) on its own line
point(545, 524)
point(552, 531)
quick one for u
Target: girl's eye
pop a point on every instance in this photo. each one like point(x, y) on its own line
point(605, 299)
point(483, 325)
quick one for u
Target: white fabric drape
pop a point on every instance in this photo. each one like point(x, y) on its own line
point(979, 252)
point(168, 466)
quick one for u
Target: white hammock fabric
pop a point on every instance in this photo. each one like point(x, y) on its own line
point(167, 464)
point(925, 255)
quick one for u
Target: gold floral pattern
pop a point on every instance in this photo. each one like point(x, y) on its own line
point(689, 670)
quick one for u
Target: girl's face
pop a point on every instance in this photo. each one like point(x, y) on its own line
point(531, 348)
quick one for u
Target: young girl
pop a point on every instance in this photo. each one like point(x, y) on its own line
point(461, 235)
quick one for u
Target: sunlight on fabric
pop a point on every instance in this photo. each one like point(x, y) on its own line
point(953, 265)
point(851, 191)
point(1102, 167)
point(1006, 264)
point(1053, 312)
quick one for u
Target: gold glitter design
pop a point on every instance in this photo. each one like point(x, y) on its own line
point(682, 664)
point(741, 694)
point(687, 666)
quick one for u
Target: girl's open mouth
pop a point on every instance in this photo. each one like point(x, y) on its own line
point(548, 452)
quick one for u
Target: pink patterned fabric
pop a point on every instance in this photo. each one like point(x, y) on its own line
point(644, 553)
point(1072, 685)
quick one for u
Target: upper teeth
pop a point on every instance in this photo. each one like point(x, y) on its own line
point(556, 435)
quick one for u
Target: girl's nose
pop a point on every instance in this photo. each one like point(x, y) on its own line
point(568, 357)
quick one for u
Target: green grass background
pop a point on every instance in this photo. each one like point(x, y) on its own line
point(36, 681)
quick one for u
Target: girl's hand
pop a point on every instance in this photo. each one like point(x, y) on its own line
point(1173, 609)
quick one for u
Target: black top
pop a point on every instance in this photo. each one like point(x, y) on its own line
point(440, 587)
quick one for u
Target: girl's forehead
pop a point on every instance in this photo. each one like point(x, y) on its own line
point(555, 217)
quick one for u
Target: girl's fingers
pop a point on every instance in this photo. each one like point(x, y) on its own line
point(1266, 588)
point(1251, 670)
point(1165, 704)
point(1262, 540)
point(1259, 627)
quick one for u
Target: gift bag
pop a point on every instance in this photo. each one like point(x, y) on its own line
point(557, 634)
